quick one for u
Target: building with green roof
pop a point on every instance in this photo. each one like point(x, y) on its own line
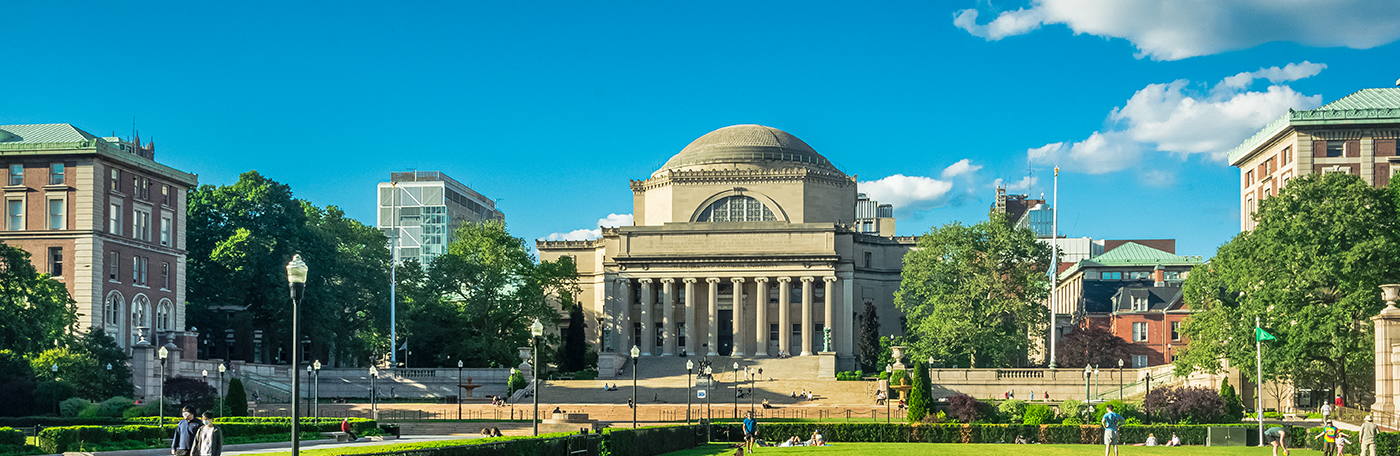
point(1355, 135)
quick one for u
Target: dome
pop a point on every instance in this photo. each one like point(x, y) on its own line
point(753, 145)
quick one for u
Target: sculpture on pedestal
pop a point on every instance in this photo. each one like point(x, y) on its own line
point(826, 339)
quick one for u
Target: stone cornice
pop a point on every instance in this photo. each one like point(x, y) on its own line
point(735, 176)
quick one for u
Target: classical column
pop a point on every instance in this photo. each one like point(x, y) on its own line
point(845, 345)
point(807, 316)
point(692, 315)
point(785, 316)
point(624, 315)
point(827, 317)
point(648, 342)
point(713, 319)
point(761, 317)
point(738, 300)
point(668, 319)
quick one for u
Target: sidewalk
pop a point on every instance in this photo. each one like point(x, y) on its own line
point(280, 447)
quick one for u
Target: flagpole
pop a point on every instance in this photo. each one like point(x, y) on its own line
point(1259, 380)
point(1054, 263)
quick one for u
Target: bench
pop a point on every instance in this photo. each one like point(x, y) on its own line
point(340, 437)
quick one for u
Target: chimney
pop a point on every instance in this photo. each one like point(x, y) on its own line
point(1159, 276)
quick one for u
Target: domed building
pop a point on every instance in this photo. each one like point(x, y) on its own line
point(743, 245)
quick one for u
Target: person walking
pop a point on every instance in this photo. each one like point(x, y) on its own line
point(750, 431)
point(1275, 436)
point(1326, 412)
point(1111, 422)
point(1329, 436)
point(184, 433)
point(1368, 436)
point(210, 439)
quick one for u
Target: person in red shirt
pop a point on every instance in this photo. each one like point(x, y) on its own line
point(1339, 400)
point(345, 427)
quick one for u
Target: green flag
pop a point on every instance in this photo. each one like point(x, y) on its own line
point(1261, 335)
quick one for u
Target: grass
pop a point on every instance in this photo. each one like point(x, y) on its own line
point(981, 449)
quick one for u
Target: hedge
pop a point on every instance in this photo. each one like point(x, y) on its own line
point(649, 441)
point(69, 438)
point(11, 436)
point(979, 433)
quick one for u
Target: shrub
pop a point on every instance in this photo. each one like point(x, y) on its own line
point(1073, 420)
point(1038, 414)
point(188, 391)
point(848, 376)
point(1129, 411)
point(48, 394)
point(1234, 407)
point(1186, 405)
point(1013, 410)
point(11, 436)
point(73, 406)
point(236, 400)
point(966, 408)
point(516, 383)
point(899, 377)
point(1072, 409)
point(919, 400)
point(114, 407)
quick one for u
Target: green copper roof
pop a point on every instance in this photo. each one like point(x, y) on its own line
point(42, 134)
point(1366, 106)
point(1132, 253)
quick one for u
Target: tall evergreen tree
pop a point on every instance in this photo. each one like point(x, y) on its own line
point(868, 348)
point(575, 344)
point(920, 395)
point(236, 400)
point(1234, 408)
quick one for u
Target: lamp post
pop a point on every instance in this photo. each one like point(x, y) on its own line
point(1145, 409)
point(710, 378)
point(459, 390)
point(221, 387)
point(162, 353)
point(296, 280)
point(537, 330)
point(316, 391)
point(1120, 379)
point(59, 412)
point(752, 396)
point(889, 374)
point(737, 390)
point(689, 368)
point(636, 353)
point(513, 371)
point(309, 374)
point(373, 393)
point(1088, 370)
point(1096, 381)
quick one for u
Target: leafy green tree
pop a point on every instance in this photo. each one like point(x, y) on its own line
point(101, 382)
point(920, 396)
point(35, 310)
point(1310, 272)
point(477, 301)
point(971, 294)
point(1013, 410)
point(1234, 408)
point(236, 400)
point(868, 348)
point(16, 385)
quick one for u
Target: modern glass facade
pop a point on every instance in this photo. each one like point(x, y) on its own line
point(420, 210)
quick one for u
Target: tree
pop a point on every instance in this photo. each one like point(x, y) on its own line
point(236, 399)
point(1185, 405)
point(476, 302)
point(16, 385)
point(35, 309)
point(1234, 408)
point(1310, 271)
point(572, 354)
point(920, 401)
point(1091, 346)
point(868, 349)
point(193, 392)
point(101, 383)
point(971, 294)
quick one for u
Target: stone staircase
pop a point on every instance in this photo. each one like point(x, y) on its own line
point(663, 380)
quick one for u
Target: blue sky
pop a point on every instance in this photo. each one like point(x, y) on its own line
point(551, 107)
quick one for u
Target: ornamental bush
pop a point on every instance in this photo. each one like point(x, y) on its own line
point(1013, 410)
point(236, 399)
point(1234, 407)
point(1186, 405)
point(991, 433)
point(919, 395)
point(72, 407)
point(1072, 409)
point(516, 383)
point(967, 409)
point(11, 436)
point(1038, 414)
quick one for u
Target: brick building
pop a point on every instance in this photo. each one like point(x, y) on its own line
point(104, 218)
point(1134, 291)
point(1353, 135)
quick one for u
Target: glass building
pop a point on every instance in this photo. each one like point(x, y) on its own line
point(420, 211)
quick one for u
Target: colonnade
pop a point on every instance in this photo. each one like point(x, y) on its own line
point(621, 307)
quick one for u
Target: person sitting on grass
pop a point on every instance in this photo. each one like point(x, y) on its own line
point(766, 405)
point(1151, 441)
point(1021, 440)
point(817, 439)
point(1175, 441)
point(496, 432)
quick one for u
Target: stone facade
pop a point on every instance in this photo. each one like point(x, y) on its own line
point(742, 246)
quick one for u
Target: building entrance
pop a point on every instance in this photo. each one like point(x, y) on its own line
point(726, 333)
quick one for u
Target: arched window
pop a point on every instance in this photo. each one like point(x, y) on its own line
point(111, 309)
point(737, 209)
point(165, 315)
point(140, 312)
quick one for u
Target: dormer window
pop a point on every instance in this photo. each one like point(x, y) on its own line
point(1139, 303)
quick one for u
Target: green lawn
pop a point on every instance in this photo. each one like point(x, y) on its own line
point(981, 449)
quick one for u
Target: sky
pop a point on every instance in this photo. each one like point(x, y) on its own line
point(551, 107)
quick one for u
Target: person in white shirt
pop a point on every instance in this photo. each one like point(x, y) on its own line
point(1175, 441)
point(1151, 440)
point(1326, 411)
point(209, 440)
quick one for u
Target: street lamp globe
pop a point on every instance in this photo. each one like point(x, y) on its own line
point(1088, 369)
point(55, 366)
point(317, 364)
point(222, 369)
point(689, 366)
point(889, 368)
point(205, 374)
point(373, 372)
point(459, 364)
point(308, 369)
point(1120, 363)
point(636, 352)
point(736, 365)
point(708, 370)
point(296, 270)
point(163, 354)
point(537, 329)
point(930, 361)
point(109, 366)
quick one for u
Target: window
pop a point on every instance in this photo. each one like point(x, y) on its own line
point(143, 270)
point(1139, 275)
point(165, 195)
point(772, 333)
point(1287, 155)
point(115, 180)
point(145, 189)
point(1248, 178)
point(868, 256)
point(1140, 332)
point(14, 214)
point(163, 315)
point(637, 332)
point(56, 218)
point(56, 174)
point(56, 261)
point(1139, 304)
point(736, 209)
point(1175, 275)
point(1139, 361)
point(1111, 276)
point(1249, 207)
point(140, 318)
point(141, 225)
point(680, 336)
point(1271, 166)
point(16, 174)
point(112, 308)
point(165, 275)
point(113, 266)
point(114, 219)
point(165, 231)
point(1176, 330)
point(135, 264)
point(1335, 148)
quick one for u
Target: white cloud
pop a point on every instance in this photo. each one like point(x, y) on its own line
point(908, 193)
point(1174, 119)
point(1020, 186)
point(1178, 29)
point(1159, 178)
point(611, 221)
point(963, 166)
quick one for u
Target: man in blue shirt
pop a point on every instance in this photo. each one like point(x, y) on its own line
point(750, 431)
point(1111, 422)
point(185, 433)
